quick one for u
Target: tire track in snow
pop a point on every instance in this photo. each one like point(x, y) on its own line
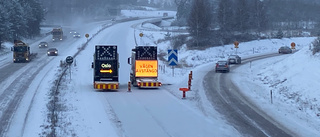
point(13, 94)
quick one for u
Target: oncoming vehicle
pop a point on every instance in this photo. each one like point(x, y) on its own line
point(57, 34)
point(52, 52)
point(76, 35)
point(43, 44)
point(234, 59)
point(21, 52)
point(222, 66)
point(72, 31)
point(285, 50)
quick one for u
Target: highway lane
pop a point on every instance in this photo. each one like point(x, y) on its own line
point(15, 78)
point(237, 109)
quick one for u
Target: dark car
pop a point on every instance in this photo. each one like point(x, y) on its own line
point(76, 35)
point(285, 50)
point(43, 44)
point(234, 59)
point(52, 52)
point(222, 66)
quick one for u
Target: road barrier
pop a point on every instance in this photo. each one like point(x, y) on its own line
point(189, 81)
point(184, 90)
point(129, 86)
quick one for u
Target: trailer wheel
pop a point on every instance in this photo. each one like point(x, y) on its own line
point(134, 83)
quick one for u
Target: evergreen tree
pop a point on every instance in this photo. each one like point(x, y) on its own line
point(279, 34)
point(183, 11)
point(19, 27)
point(5, 24)
point(33, 13)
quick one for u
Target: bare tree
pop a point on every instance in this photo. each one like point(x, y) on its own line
point(242, 15)
point(199, 22)
point(259, 18)
point(225, 15)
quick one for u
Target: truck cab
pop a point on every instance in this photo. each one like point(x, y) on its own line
point(57, 34)
point(21, 51)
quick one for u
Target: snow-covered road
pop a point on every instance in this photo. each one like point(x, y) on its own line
point(138, 113)
point(85, 112)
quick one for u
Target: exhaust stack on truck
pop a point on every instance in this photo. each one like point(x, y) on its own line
point(144, 67)
point(105, 67)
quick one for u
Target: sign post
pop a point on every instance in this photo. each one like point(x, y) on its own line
point(236, 45)
point(87, 36)
point(173, 59)
point(293, 45)
point(141, 35)
point(69, 61)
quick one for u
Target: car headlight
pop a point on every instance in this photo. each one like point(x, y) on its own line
point(48, 53)
point(56, 52)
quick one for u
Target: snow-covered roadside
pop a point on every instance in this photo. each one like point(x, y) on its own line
point(297, 99)
point(286, 105)
point(292, 79)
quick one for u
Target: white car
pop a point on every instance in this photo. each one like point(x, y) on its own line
point(234, 59)
point(76, 35)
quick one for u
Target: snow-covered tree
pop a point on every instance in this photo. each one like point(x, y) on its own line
point(183, 11)
point(5, 24)
point(20, 18)
point(34, 14)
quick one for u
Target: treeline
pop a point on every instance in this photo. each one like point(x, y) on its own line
point(224, 21)
point(68, 10)
point(20, 19)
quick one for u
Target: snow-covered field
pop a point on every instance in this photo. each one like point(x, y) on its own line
point(293, 79)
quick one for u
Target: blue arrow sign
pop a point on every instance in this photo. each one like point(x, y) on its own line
point(173, 57)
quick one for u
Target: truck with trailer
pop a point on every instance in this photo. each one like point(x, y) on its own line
point(144, 67)
point(105, 67)
point(57, 34)
point(21, 52)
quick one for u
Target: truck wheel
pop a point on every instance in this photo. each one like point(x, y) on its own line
point(134, 84)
